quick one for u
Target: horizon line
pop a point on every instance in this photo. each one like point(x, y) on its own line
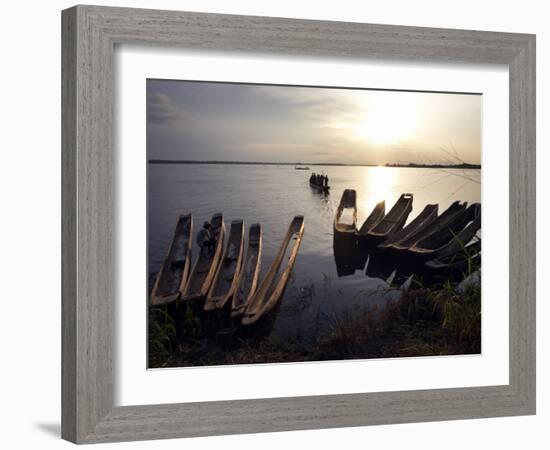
point(286, 163)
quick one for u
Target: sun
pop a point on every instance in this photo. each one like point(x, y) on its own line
point(387, 121)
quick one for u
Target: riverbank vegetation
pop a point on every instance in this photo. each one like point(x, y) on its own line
point(424, 321)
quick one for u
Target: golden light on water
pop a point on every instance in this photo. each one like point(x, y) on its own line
point(379, 184)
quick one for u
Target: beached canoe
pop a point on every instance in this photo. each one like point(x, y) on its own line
point(345, 221)
point(272, 287)
point(373, 219)
point(394, 220)
point(206, 265)
point(248, 278)
point(459, 259)
point(423, 220)
point(227, 276)
point(452, 237)
point(438, 224)
point(175, 270)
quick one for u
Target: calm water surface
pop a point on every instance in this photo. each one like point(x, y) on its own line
point(273, 195)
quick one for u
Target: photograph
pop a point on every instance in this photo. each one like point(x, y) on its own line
point(290, 224)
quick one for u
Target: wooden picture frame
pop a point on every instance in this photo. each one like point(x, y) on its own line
point(90, 34)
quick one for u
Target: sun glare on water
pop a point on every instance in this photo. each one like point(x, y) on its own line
point(379, 184)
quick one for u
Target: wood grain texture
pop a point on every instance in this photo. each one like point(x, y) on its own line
point(68, 226)
point(89, 36)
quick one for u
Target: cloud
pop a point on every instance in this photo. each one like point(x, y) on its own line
point(317, 104)
point(196, 120)
point(161, 110)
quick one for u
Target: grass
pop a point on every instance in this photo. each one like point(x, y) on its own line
point(423, 322)
point(162, 336)
point(426, 320)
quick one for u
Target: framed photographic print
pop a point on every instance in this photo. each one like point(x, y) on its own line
point(268, 222)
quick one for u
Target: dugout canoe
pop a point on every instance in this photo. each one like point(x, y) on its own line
point(248, 278)
point(459, 259)
point(272, 287)
point(174, 272)
point(423, 220)
point(464, 237)
point(227, 276)
point(345, 220)
point(377, 214)
point(451, 237)
point(205, 267)
point(394, 220)
point(439, 223)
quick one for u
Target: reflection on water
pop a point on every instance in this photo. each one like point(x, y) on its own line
point(272, 195)
point(379, 185)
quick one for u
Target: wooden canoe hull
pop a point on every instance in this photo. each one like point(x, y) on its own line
point(250, 272)
point(347, 202)
point(394, 220)
point(205, 267)
point(377, 214)
point(227, 276)
point(426, 217)
point(459, 242)
point(458, 259)
point(450, 238)
point(175, 269)
point(273, 285)
point(439, 223)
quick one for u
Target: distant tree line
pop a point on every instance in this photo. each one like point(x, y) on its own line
point(436, 166)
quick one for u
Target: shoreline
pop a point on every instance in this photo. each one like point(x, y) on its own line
point(425, 321)
point(330, 164)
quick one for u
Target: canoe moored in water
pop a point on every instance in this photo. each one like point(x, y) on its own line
point(273, 285)
point(227, 276)
point(461, 259)
point(460, 240)
point(175, 269)
point(206, 265)
point(250, 272)
point(372, 220)
point(423, 220)
point(452, 237)
point(394, 220)
point(438, 224)
point(345, 221)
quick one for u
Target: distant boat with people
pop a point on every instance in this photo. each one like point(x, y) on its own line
point(319, 182)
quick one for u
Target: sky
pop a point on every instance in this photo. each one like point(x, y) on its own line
point(202, 121)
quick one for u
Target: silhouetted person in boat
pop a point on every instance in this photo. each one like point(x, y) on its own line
point(326, 180)
point(205, 238)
